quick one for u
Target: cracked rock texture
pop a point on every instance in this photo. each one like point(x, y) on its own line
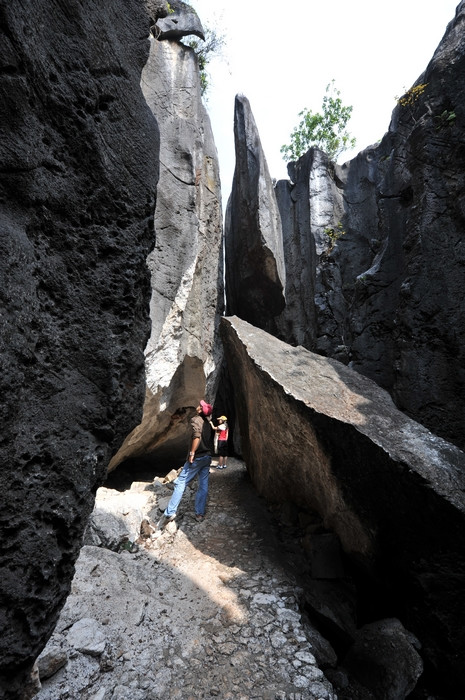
point(78, 172)
point(183, 355)
point(392, 491)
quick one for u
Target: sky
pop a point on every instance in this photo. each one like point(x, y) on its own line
point(282, 55)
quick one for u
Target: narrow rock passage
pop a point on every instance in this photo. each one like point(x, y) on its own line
point(209, 610)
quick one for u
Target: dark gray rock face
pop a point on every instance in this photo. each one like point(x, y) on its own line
point(183, 355)
point(255, 275)
point(79, 162)
point(385, 290)
point(317, 434)
point(181, 20)
point(384, 658)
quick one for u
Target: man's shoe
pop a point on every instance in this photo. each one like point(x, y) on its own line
point(164, 520)
point(199, 517)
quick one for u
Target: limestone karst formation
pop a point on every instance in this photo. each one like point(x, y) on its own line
point(255, 275)
point(373, 249)
point(112, 293)
point(86, 278)
point(79, 167)
point(183, 354)
point(374, 277)
point(390, 489)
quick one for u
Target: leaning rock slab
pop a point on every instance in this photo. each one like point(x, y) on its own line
point(255, 273)
point(319, 434)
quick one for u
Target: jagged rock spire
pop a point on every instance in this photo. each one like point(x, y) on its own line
point(255, 274)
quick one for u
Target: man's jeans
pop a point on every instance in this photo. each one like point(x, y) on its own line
point(200, 467)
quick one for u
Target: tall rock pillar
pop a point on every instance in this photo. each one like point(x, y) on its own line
point(255, 273)
point(384, 290)
point(183, 355)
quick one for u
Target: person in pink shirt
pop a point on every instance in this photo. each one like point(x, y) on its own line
point(223, 434)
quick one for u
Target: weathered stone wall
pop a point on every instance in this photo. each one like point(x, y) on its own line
point(308, 205)
point(321, 436)
point(183, 355)
point(386, 290)
point(79, 162)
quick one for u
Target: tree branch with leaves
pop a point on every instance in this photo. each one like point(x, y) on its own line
point(325, 129)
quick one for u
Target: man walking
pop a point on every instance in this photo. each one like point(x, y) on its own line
point(197, 464)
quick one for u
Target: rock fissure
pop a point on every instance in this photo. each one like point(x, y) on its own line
point(177, 177)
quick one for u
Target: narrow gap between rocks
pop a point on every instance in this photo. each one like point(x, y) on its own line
point(254, 603)
point(297, 543)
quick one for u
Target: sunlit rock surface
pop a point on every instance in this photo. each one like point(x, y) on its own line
point(183, 355)
point(318, 434)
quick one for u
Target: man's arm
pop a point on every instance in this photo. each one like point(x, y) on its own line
point(194, 444)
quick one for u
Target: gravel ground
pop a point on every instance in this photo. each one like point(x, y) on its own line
point(206, 610)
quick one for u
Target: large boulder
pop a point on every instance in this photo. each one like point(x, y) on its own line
point(255, 273)
point(384, 658)
point(322, 436)
point(79, 162)
point(183, 355)
point(181, 20)
point(383, 238)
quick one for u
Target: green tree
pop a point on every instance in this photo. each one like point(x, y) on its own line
point(325, 129)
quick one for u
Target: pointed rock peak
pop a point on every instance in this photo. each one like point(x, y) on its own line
point(255, 274)
point(244, 124)
point(182, 20)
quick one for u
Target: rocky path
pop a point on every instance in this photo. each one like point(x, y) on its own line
point(207, 610)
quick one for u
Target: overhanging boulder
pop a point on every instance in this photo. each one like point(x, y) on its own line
point(318, 434)
point(181, 20)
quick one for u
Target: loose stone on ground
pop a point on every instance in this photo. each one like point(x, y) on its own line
point(206, 610)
